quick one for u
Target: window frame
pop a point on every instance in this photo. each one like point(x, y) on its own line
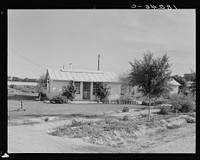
point(94, 90)
point(77, 88)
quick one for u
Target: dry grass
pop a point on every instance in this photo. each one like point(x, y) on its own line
point(111, 131)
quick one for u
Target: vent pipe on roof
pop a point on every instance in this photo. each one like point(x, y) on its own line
point(98, 61)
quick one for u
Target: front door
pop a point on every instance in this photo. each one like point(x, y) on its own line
point(86, 90)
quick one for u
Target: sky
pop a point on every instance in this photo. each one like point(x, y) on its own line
point(42, 39)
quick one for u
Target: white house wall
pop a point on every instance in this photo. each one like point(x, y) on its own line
point(54, 87)
point(174, 90)
point(115, 91)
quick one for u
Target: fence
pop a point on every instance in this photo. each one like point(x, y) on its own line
point(122, 102)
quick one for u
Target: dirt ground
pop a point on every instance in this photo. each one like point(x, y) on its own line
point(34, 138)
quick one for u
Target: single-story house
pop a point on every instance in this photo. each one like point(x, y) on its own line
point(85, 82)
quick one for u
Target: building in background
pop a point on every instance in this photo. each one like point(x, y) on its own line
point(175, 86)
point(133, 91)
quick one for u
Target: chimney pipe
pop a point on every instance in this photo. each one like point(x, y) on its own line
point(98, 61)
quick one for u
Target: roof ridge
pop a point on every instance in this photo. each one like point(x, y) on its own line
point(83, 71)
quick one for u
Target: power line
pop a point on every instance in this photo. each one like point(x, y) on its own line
point(40, 66)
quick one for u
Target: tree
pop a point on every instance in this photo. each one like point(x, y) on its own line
point(191, 80)
point(152, 76)
point(102, 91)
point(193, 84)
point(69, 91)
point(190, 76)
point(42, 85)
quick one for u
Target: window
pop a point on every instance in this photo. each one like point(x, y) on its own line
point(95, 88)
point(77, 86)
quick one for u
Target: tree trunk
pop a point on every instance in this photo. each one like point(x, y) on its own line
point(149, 109)
point(40, 97)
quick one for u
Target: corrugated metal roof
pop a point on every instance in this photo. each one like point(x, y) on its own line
point(82, 75)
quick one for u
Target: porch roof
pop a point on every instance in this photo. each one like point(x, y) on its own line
point(82, 75)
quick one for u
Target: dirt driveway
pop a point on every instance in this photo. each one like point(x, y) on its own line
point(35, 139)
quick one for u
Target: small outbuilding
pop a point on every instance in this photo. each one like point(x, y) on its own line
point(175, 86)
point(134, 90)
point(85, 82)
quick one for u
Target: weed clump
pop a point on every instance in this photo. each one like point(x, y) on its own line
point(126, 118)
point(125, 109)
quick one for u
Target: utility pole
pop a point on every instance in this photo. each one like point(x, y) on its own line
point(98, 61)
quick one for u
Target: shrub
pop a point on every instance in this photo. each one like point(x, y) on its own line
point(105, 100)
point(69, 91)
point(117, 101)
point(187, 106)
point(165, 109)
point(12, 86)
point(103, 91)
point(126, 118)
point(146, 103)
point(182, 103)
point(76, 123)
point(58, 99)
point(176, 107)
point(124, 99)
point(42, 96)
point(125, 109)
point(191, 120)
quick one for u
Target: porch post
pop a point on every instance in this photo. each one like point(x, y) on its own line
point(81, 91)
point(91, 90)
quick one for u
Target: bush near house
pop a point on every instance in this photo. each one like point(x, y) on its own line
point(59, 99)
point(69, 91)
point(103, 92)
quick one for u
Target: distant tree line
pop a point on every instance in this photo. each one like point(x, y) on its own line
point(17, 79)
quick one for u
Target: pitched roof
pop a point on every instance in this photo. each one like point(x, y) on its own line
point(82, 75)
point(174, 82)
